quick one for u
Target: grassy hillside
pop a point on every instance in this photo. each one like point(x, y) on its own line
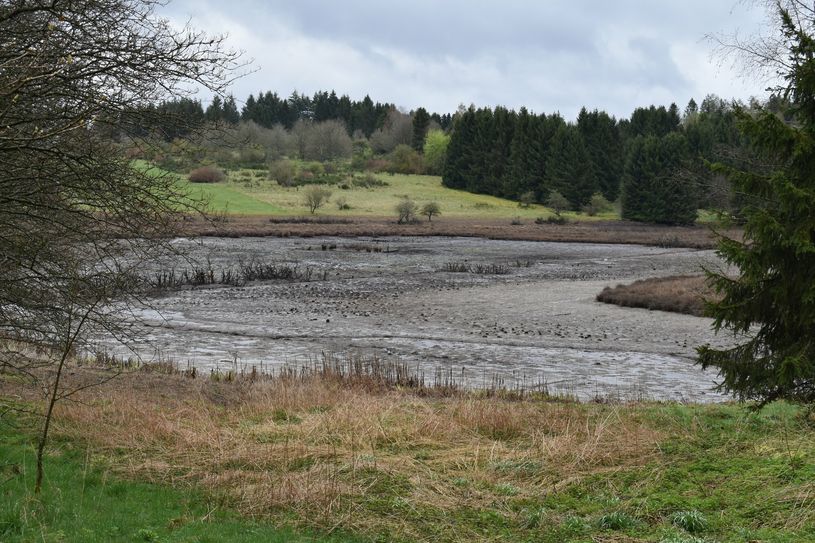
point(248, 192)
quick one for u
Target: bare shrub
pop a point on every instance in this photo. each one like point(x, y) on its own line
point(406, 211)
point(316, 197)
point(207, 174)
point(282, 171)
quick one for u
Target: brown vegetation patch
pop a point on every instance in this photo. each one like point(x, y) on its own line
point(317, 450)
point(679, 294)
point(696, 237)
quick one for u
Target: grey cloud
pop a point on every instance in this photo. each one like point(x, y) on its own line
point(548, 55)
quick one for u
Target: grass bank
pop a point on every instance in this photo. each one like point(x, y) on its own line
point(385, 463)
point(679, 294)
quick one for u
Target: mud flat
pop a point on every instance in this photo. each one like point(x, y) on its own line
point(536, 324)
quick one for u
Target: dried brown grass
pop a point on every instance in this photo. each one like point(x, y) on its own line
point(679, 294)
point(315, 449)
point(696, 237)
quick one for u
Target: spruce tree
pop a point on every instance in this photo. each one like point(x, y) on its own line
point(421, 122)
point(569, 169)
point(229, 112)
point(770, 303)
point(520, 174)
point(653, 189)
point(456, 166)
point(604, 144)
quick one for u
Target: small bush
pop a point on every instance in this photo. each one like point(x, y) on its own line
point(207, 174)
point(597, 204)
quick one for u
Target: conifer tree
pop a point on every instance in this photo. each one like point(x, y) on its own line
point(421, 122)
point(456, 165)
point(520, 174)
point(770, 304)
point(652, 190)
point(604, 144)
point(569, 168)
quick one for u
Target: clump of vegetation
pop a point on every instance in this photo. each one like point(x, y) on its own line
point(679, 294)
point(207, 174)
point(233, 275)
point(316, 197)
point(482, 269)
point(368, 181)
point(690, 521)
point(616, 520)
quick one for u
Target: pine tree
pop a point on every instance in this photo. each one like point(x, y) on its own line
point(772, 298)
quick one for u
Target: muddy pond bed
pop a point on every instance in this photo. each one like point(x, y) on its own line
point(523, 313)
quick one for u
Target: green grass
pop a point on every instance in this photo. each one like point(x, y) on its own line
point(83, 502)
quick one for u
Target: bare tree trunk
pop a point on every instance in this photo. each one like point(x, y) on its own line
point(70, 340)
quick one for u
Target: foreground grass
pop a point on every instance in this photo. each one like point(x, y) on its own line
point(391, 466)
point(84, 501)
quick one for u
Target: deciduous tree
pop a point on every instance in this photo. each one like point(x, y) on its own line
point(77, 220)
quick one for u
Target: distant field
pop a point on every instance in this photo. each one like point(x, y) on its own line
point(247, 192)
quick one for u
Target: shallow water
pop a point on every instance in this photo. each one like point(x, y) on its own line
point(537, 324)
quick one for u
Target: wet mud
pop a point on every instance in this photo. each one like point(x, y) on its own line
point(537, 325)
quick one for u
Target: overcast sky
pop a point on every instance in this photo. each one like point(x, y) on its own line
point(548, 55)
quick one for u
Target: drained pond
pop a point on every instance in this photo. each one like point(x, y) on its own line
point(522, 314)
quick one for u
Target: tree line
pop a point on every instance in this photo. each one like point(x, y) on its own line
point(361, 118)
point(653, 161)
